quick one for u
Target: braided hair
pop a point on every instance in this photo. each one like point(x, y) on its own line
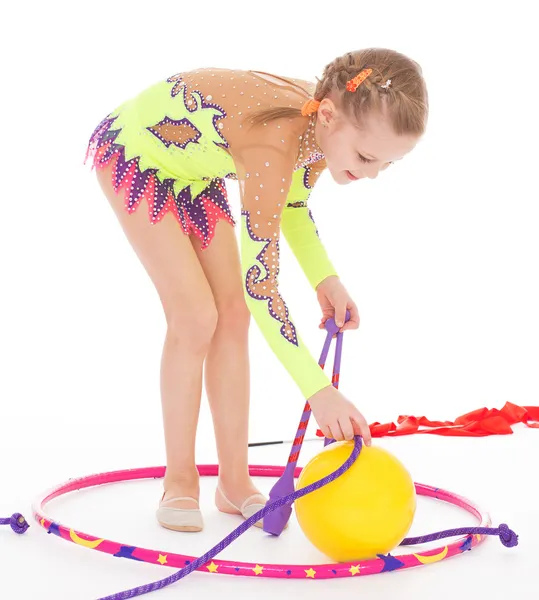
point(395, 83)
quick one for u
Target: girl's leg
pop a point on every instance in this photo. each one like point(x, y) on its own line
point(191, 317)
point(227, 364)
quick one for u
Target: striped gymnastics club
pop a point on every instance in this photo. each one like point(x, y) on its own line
point(276, 521)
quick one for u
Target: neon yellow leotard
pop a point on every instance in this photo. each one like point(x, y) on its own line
point(173, 146)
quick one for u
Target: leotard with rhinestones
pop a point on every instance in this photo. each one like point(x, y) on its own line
point(174, 145)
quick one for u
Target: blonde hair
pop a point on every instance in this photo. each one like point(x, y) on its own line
point(404, 95)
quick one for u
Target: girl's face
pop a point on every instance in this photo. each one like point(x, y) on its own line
point(353, 153)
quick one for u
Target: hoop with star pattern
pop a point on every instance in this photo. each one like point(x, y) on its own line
point(383, 563)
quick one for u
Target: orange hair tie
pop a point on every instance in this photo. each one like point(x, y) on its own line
point(310, 107)
point(354, 83)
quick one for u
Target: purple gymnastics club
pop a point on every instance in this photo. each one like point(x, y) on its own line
point(276, 521)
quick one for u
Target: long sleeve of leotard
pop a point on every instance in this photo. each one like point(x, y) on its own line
point(300, 231)
point(265, 176)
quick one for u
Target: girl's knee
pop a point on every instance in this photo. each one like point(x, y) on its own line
point(194, 326)
point(234, 315)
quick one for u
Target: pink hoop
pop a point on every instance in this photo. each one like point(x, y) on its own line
point(314, 571)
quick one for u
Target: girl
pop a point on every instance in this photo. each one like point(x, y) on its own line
point(171, 149)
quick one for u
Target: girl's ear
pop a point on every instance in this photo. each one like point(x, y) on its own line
point(326, 112)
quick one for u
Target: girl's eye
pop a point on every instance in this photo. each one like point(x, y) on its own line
point(363, 159)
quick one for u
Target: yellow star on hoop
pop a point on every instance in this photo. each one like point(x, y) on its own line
point(310, 572)
point(162, 559)
point(212, 568)
point(258, 569)
point(354, 570)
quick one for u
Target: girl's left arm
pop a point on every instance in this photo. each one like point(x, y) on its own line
point(265, 175)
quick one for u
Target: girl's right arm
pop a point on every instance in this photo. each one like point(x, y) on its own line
point(300, 230)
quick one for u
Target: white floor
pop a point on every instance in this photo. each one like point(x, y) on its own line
point(496, 472)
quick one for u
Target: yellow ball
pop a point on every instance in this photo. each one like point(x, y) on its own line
point(366, 511)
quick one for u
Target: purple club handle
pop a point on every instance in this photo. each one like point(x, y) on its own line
point(333, 329)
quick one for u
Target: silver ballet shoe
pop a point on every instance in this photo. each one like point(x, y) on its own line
point(246, 510)
point(179, 519)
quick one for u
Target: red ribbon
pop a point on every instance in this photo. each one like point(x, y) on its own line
point(478, 423)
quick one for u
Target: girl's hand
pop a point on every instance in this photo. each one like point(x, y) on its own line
point(334, 301)
point(337, 417)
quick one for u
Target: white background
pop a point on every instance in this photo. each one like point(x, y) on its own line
point(440, 253)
